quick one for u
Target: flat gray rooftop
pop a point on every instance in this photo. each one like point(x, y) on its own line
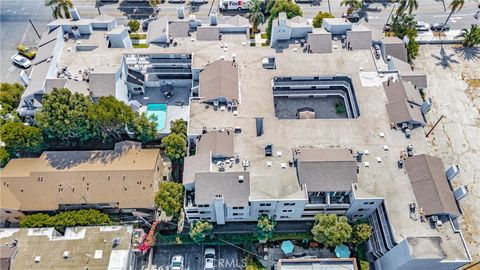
point(380, 179)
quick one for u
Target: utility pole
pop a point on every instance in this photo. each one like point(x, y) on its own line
point(438, 121)
point(34, 29)
point(389, 16)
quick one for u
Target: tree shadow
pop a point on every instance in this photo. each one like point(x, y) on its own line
point(445, 60)
point(469, 54)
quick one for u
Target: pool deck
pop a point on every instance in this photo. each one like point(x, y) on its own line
point(173, 113)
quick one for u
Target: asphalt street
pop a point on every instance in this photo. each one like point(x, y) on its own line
point(15, 29)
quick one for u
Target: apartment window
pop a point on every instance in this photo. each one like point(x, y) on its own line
point(361, 209)
point(204, 212)
point(238, 207)
point(368, 203)
point(265, 204)
point(264, 211)
point(288, 204)
point(194, 218)
point(238, 214)
point(287, 211)
point(358, 216)
point(284, 217)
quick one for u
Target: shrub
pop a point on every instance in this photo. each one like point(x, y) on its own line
point(134, 25)
point(62, 220)
point(318, 20)
point(199, 230)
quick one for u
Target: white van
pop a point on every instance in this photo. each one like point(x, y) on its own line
point(234, 4)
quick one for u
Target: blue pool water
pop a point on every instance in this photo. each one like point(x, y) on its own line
point(158, 110)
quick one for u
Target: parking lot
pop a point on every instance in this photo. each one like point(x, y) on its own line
point(227, 257)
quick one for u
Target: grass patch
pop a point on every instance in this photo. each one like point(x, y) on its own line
point(138, 36)
point(252, 44)
point(264, 35)
point(140, 46)
point(252, 36)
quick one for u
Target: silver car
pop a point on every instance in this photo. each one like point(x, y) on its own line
point(21, 61)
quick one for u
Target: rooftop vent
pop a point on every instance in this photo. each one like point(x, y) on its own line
point(37, 259)
point(240, 179)
point(66, 254)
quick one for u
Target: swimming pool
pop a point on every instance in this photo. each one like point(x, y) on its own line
point(159, 110)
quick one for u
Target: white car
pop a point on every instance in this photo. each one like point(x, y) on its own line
point(177, 262)
point(21, 61)
point(209, 259)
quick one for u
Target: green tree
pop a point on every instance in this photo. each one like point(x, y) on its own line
point(331, 230)
point(253, 264)
point(318, 20)
point(179, 127)
point(175, 146)
point(169, 198)
point(60, 8)
point(360, 233)
point(134, 25)
point(454, 6)
point(352, 5)
point(405, 5)
point(110, 118)
point(256, 15)
point(199, 230)
point(20, 139)
point(4, 157)
point(471, 37)
point(154, 3)
point(10, 95)
point(144, 128)
point(405, 25)
point(64, 116)
point(265, 227)
point(289, 7)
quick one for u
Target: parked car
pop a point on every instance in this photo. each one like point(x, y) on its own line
point(476, 15)
point(437, 27)
point(176, 1)
point(177, 262)
point(146, 22)
point(378, 52)
point(353, 18)
point(21, 61)
point(423, 26)
point(303, 1)
point(209, 259)
point(198, 1)
point(26, 51)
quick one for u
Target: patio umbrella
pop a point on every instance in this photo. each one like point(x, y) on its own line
point(342, 251)
point(287, 247)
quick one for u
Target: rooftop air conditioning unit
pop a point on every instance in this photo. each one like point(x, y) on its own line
point(37, 259)
point(453, 171)
point(240, 178)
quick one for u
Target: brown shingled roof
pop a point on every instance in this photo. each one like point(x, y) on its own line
point(326, 169)
point(430, 185)
point(227, 184)
point(219, 143)
point(219, 79)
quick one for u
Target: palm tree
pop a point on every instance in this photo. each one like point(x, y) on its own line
point(409, 5)
point(352, 5)
point(59, 7)
point(454, 6)
point(471, 37)
point(256, 15)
